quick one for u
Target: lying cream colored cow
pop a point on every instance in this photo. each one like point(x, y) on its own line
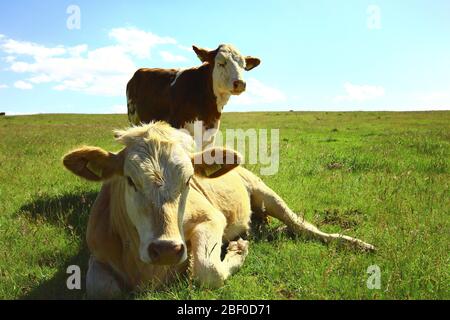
point(163, 210)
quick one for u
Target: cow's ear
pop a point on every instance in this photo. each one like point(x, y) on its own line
point(215, 161)
point(94, 164)
point(203, 54)
point(251, 62)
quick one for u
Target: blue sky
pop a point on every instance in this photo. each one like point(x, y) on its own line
point(316, 55)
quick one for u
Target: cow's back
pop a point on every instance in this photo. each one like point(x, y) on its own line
point(148, 97)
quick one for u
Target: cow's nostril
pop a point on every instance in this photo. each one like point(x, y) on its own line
point(153, 251)
point(178, 249)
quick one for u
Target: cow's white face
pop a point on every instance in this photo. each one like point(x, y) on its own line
point(153, 171)
point(228, 68)
point(157, 178)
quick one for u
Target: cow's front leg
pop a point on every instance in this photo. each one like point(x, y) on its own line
point(236, 253)
point(101, 283)
point(208, 269)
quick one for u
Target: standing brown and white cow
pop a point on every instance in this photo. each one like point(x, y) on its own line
point(185, 97)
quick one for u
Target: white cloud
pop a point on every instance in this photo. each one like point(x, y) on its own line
point(23, 85)
point(360, 92)
point(258, 93)
point(3, 86)
point(99, 71)
point(78, 50)
point(103, 71)
point(138, 42)
point(170, 57)
point(9, 59)
point(42, 78)
point(37, 51)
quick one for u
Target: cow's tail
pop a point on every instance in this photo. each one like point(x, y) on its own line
point(265, 200)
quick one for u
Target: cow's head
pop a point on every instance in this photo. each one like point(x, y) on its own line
point(228, 66)
point(154, 172)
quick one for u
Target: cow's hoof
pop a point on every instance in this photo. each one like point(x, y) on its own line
point(240, 247)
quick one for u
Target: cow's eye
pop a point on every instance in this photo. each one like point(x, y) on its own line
point(222, 64)
point(131, 183)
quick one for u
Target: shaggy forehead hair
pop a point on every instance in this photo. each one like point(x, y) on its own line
point(155, 133)
point(158, 157)
point(229, 51)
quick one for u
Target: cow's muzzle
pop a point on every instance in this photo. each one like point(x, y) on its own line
point(238, 86)
point(165, 252)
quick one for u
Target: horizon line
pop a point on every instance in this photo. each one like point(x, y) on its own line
point(6, 114)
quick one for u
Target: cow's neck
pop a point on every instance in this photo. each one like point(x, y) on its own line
point(217, 99)
point(221, 98)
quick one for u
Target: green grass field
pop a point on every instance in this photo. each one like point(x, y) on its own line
point(382, 177)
